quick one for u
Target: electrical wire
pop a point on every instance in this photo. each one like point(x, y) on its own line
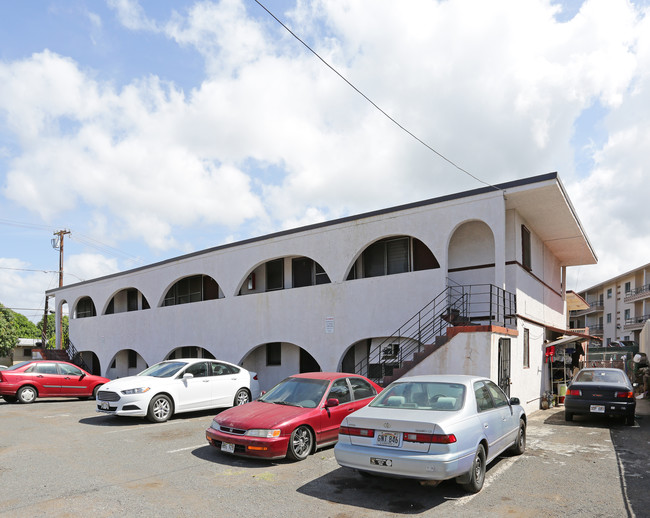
point(430, 148)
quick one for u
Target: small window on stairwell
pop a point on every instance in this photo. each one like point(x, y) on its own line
point(526, 259)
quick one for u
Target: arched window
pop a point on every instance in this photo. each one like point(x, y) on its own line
point(192, 289)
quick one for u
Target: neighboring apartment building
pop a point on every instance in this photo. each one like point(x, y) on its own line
point(466, 283)
point(619, 308)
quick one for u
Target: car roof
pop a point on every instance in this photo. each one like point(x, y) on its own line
point(443, 378)
point(325, 375)
point(611, 369)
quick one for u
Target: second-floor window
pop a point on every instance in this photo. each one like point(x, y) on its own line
point(628, 287)
point(526, 259)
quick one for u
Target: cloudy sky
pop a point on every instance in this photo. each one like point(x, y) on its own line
point(151, 129)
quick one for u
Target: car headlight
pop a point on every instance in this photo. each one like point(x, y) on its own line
point(263, 433)
point(140, 390)
point(215, 425)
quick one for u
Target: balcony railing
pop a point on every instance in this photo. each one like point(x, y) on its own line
point(636, 322)
point(594, 305)
point(637, 293)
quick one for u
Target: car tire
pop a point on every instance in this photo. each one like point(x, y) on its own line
point(160, 409)
point(242, 397)
point(629, 420)
point(568, 416)
point(300, 443)
point(477, 473)
point(26, 394)
point(95, 390)
point(519, 446)
point(10, 399)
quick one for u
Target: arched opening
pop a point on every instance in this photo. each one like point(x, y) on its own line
point(90, 362)
point(128, 299)
point(195, 288)
point(126, 362)
point(284, 273)
point(189, 351)
point(274, 361)
point(85, 308)
point(471, 254)
point(392, 255)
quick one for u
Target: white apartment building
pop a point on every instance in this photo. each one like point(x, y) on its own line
point(619, 308)
point(466, 283)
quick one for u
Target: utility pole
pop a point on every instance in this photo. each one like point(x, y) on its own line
point(57, 244)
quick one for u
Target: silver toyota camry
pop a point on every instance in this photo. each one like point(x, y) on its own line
point(433, 428)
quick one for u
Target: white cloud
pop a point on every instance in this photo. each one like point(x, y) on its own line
point(495, 86)
point(81, 267)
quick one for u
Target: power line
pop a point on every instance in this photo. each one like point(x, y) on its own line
point(371, 101)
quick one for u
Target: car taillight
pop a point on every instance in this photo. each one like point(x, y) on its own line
point(429, 438)
point(255, 377)
point(624, 395)
point(574, 392)
point(359, 432)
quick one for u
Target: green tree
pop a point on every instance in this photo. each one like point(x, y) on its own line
point(51, 330)
point(25, 327)
point(8, 333)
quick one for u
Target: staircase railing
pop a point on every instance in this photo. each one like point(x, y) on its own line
point(456, 305)
point(75, 356)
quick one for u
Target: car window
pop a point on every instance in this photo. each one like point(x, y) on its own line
point(221, 369)
point(163, 369)
point(422, 395)
point(45, 368)
point(361, 389)
point(483, 398)
point(340, 391)
point(303, 392)
point(498, 397)
point(601, 376)
point(198, 370)
point(18, 366)
point(70, 370)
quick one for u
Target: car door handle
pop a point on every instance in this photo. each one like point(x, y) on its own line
point(485, 425)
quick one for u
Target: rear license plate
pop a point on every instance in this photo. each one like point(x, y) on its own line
point(381, 462)
point(105, 405)
point(599, 409)
point(228, 447)
point(388, 439)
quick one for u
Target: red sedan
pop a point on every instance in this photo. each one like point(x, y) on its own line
point(298, 415)
point(26, 381)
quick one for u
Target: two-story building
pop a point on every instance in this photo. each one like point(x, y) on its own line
point(466, 283)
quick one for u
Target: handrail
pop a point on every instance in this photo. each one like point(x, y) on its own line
point(456, 305)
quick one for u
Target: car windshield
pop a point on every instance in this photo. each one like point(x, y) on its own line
point(422, 395)
point(16, 366)
point(598, 376)
point(303, 392)
point(163, 369)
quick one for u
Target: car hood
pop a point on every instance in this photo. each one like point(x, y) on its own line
point(261, 415)
point(131, 382)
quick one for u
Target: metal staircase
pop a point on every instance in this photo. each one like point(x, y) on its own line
point(426, 331)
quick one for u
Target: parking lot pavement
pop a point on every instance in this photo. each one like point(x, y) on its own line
point(61, 458)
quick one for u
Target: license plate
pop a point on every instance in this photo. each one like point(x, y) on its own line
point(599, 409)
point(105, 405)
point(388, 439)
point(381, 462)
point(228, 447)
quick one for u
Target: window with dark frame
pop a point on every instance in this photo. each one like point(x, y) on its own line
point(195, 288)
point(526, 259)
point(628, 287)
point(526, 348)
point(275, 275)
point(133, 359)
point(131, 300)
point(273, 353)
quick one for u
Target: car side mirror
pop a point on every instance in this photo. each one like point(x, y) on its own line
point(83, 375)
point(514, 401)
point(188, 375)
point(332, 402)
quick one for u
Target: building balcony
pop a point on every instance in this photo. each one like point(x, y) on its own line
point(642, 292)
point(596, 329)
point(594, 306)
point(635, 323)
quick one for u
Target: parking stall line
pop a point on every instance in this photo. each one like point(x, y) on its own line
point(188, 448)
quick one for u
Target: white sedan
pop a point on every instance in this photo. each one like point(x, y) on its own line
point(174, 386)
point(433, 428)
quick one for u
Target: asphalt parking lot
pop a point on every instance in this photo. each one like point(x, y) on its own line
point(60, 458)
